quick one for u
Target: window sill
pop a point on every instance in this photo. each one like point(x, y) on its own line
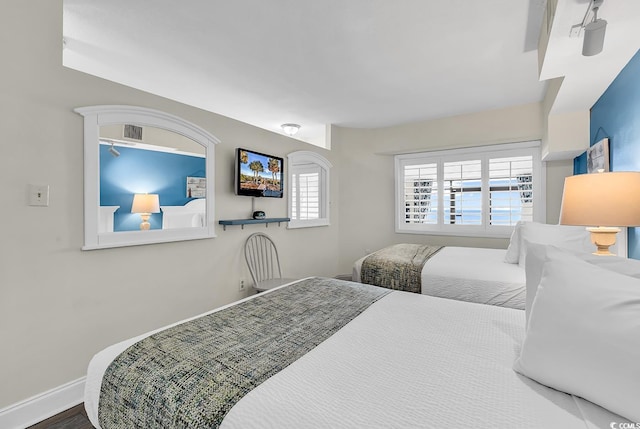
point(500, 233)
point(295, 224)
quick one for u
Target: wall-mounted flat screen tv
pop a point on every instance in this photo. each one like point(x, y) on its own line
point(259, 174)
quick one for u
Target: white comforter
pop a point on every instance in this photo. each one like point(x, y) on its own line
point(407, 361)
point(471, 274)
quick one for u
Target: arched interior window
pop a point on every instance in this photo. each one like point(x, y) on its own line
point(148, 177)
point(308, 202)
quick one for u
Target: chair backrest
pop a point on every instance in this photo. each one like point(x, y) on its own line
point(262, 259)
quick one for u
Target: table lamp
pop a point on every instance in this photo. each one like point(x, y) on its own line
point(145, 204)
point(603, 202)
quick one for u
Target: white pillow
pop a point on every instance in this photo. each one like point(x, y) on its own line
point(513, 251)
point(583, 336)
point(575, 238)
point(538, 254)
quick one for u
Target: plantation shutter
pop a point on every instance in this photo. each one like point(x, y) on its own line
point(421, 193)
point(305, 193)
point(462, 192)
point(481, 191)
point(511, 190)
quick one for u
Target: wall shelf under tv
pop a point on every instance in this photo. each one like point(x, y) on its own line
point(243, 222)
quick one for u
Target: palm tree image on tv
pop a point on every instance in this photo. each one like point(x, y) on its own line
point(258, 172)
point(244, 157)
point(274, 168)
point(257, 168)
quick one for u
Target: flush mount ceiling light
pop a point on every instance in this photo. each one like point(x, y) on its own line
point(594, 30)
point(290, 129)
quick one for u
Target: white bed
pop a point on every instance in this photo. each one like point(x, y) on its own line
point(470, 274)
point(496, 276)
point(407, 361)
point(190, 215)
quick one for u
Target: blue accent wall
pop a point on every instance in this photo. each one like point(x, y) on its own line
point(138, 171)
point(580, 164)
point(616, 115)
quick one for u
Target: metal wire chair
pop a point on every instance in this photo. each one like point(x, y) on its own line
point(262, 259)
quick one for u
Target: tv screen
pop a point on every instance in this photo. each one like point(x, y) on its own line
point(259, 174)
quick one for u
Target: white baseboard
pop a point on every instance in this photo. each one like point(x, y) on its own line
point(42, 406)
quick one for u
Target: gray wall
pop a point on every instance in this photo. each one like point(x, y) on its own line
point(60, 305)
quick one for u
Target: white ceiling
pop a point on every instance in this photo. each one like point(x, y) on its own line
point(358, 63)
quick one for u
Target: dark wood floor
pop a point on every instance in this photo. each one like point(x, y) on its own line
point(73, 418)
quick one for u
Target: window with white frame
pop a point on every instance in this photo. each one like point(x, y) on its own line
point(480, 191)
point(309, 189)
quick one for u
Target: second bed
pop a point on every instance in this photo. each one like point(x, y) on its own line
point(470, 274)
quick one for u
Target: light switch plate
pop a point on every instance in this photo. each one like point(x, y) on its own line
point(39, 195)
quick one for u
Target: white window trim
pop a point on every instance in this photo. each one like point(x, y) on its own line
point(304, 158)
point(480, 152)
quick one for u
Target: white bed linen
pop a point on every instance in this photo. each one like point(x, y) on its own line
point(406, 361)
point(471, 274)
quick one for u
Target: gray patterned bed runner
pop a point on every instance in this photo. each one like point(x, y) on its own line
point(190, 376)
point(397, 267)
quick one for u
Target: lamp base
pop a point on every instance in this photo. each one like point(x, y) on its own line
point(145, 225)
point(603, 237)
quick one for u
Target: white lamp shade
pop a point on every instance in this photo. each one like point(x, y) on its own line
point(145, 203)
point(601, 199)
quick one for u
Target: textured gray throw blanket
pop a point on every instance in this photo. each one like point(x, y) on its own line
point(190, 376)
point(397, 267)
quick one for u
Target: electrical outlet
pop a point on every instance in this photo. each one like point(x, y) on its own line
point(241, 285)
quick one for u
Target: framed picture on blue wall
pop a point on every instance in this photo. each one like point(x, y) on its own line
point(196, 187)
point(598, 157)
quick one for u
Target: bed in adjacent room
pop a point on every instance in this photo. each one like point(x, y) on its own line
point(321, 353)
point(192, 214)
